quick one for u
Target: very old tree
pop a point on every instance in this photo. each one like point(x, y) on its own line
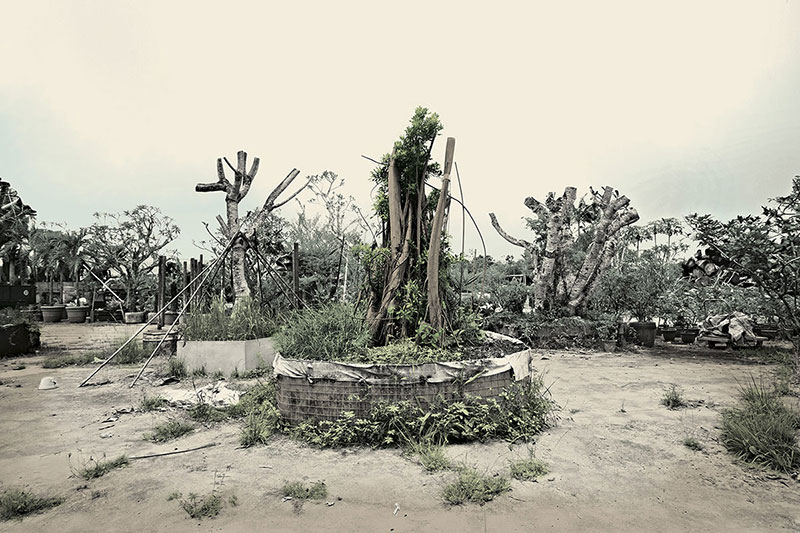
point(573, 243)
point(404, 273)
point(234, 229)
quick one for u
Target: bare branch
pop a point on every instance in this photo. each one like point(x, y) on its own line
point(210, 187)
point(513, 240)
point(269, 204)
point(276, 206)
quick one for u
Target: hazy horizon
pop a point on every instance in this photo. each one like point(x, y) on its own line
point(684, 107)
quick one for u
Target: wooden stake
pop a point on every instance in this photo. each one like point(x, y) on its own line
point(434, 299)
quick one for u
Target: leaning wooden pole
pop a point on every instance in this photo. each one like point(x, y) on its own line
point(435, 314)
point(202, 278)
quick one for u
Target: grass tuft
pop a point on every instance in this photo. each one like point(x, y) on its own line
point(673, 398)
point(298, 490)
point(153, 403)
point(259, 426)
point(15, 503)
point(101, 468)
point(472, 486)
point(177, 368)
point(528, 469)
point(430, 456)
point(693, 444)
point(168, 431)
point(761, 429)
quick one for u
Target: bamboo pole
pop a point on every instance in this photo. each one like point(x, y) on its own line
point(199, 285)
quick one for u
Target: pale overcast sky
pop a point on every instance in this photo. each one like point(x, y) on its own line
point(683, 106)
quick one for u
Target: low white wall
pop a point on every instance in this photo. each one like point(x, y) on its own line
point(227, 356)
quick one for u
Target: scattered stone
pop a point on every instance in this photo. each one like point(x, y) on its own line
point(48, 383)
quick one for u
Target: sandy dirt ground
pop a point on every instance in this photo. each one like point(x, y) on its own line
point(616, 458)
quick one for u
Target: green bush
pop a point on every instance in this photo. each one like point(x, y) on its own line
point(762, 429)
point(333, 332)
point(247, 320)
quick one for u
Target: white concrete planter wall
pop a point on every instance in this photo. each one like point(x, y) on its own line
point(227, 356)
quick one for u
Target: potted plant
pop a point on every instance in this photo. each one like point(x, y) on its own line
point(608, 330)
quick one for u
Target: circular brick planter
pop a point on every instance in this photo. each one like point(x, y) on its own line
point(323, 390)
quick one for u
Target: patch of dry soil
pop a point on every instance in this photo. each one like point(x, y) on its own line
point(616, 458)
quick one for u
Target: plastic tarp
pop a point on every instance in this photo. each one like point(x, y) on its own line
point(736, 325)
point(519, 363)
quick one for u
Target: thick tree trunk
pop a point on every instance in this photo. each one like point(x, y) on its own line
point(238, 250)
point(616, 215)
point(546, 285)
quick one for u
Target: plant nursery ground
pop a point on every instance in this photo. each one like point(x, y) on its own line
point(617, 457)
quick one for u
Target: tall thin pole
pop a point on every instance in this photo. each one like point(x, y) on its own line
point(296, 272)
point(162, 263)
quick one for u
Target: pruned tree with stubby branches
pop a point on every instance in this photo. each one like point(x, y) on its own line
point(232, 227)
point(572, 246)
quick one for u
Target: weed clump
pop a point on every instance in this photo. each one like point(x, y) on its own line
point(673, 398)
point(101, 468)
point(259, 426)
point(472, 486)
point(153, 403)
point(177, 368)
point(168, 431)
point(16, 503)
point(199, 507)
point(528, 469)
point(298, 490)
point(693, 444)
point(430, 456)
point(761, 429)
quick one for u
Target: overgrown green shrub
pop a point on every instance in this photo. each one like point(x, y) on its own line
point(519, 413)
point(332, 332)
point(762, 429)
point(247, 320)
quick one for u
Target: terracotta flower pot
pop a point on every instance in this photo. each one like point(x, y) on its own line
point(669, 334)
